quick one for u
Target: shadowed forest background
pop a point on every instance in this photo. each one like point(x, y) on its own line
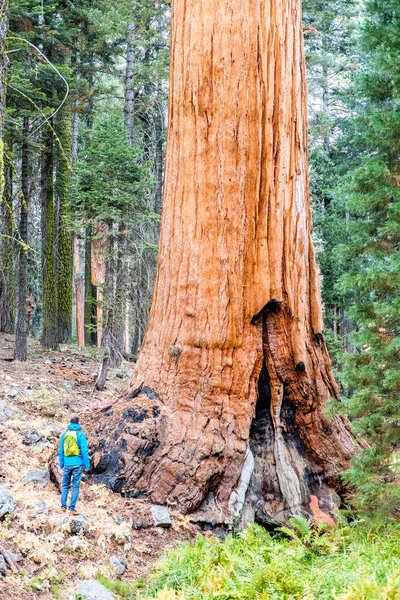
point(83, 123)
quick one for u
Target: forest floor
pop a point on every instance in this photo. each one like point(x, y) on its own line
point(40, 395)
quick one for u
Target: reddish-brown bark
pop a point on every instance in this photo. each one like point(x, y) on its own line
point(224, 412)
point(79, 293)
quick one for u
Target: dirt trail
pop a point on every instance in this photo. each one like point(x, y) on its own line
point(40, 395)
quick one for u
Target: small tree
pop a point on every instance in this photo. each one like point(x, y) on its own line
point(110, 196)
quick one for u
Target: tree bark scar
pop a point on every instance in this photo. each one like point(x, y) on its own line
point(143, 389)
point(272, 306)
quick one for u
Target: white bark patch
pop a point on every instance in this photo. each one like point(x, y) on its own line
point(237, 497)
point(287, 477)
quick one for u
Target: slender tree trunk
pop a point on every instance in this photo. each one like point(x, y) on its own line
point(7, 268)
point(159, 150)
point(99, 265)
point(326, 107)
point(77, 245)
point(120, 297)
point(6, 303)
point(109, 330)
point(138, 324)
point(90, 307)
point(79, 292)
point(90, 294)
point(22, 317)
point(224, 414)
point(3, 68)
point(129, 81)
point(64, 247)
point(122, 315)
point(49, 274)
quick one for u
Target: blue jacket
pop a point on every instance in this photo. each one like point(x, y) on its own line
point(75, 461)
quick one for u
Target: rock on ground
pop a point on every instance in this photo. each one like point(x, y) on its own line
point(118, 564)
point(7, 504)
point(7, 410)
point(160, 516)
point(40, 476)
point(78, 525)
point(3, 565)
point(43, 436)
point(41, 508)
point(93, 590)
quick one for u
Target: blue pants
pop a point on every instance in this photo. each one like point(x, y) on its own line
point(74, 473)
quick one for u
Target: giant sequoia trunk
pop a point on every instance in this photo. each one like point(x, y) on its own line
point(225, 408)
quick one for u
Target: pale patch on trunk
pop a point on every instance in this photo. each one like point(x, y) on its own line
point(237, 497)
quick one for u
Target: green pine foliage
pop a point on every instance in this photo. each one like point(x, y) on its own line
point(372, 281)
point(109, 184)
point(330, 29)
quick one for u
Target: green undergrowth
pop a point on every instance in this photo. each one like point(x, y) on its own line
point(357, 561)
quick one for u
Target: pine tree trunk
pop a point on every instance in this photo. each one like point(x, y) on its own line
point(120, 298)
point(64, 253)
point(79, 292)
point(90, 294)
point(21, 332)
point(77, 244)
point(226, 402)
point(7, 269)
point(159, 151)
point(129, 75)
point(6, 304)
point(3, 68)
point(49, 274)
point(138, 321)
point(109, 330)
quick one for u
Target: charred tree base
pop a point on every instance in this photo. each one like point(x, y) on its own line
point(284, 481)
point(289, 462)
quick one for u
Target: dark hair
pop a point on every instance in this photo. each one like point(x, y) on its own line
point(75, 420)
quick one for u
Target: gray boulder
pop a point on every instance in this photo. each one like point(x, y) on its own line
point(93, 590)
point(41, 437)
point(78, 525)
point(118, 564)
point(40, 476)
point(31, 437)
point(161, 516)
point(16, 556)
point(3, 565)
point(13, 393)
point(7, 504)
point(41, 508)
point(118, 519)
point(7, 410)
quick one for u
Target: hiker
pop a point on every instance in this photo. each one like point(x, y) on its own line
point(74, 457)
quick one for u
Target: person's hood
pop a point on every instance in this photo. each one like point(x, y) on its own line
point(74, 427)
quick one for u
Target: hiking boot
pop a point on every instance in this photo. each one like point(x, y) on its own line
point(73, 511)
